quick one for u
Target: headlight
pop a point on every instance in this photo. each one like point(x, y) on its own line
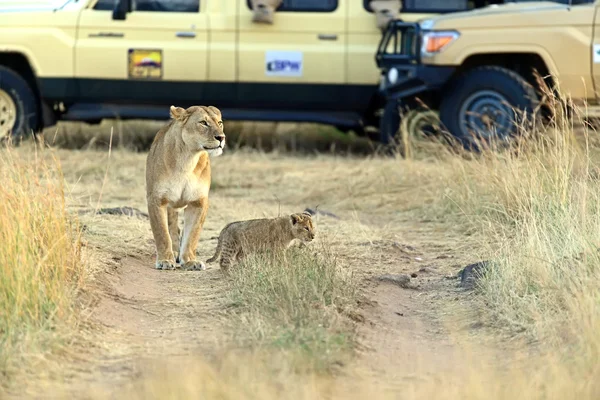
point(434, 42)
point(392, 75)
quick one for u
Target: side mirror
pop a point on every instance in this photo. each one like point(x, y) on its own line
point(121, 9)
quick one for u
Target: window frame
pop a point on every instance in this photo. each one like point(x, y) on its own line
point(416, 10)
point(134, 10)
point(312, 10)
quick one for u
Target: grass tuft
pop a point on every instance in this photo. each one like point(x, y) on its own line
point(292, 302)
point(40, 256)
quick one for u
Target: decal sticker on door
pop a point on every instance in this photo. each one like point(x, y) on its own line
point(283, 63)
point(596, 52)
point(145, 64)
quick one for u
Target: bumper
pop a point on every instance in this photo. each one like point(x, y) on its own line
point(414, 79)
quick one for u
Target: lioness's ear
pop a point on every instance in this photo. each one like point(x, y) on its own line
point(177, 112)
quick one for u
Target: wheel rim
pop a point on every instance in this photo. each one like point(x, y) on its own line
point(486, 114)
point(8, 114)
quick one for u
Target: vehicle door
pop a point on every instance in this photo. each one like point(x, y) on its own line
point(156, 54)
point(299, 61)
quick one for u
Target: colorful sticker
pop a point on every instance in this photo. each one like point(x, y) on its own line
point(283, 63)
point(145, 64)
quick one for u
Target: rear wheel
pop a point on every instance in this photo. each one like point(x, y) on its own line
point(487, 104)
point(19, 114)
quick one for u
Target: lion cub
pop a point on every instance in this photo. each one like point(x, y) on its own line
point(178, 177)
point(241, 238)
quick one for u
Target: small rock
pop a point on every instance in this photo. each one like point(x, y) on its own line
point(128, 211)
point(469, 274)
point(425, 270)
point(399, 313)
point(401, 280)
point(413, 275)
point(418, 259)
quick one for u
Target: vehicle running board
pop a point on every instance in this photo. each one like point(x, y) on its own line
point(91, 112)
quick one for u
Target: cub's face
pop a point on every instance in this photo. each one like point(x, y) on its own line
point(264, 10)
point(201, 128)
point(302, 227)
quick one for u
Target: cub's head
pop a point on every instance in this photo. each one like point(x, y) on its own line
point(302, 226)
point(264, 10)
point(201, 128)
point(385, 11)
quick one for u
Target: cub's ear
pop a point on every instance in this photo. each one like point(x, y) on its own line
point(177, 112)
point(295, 218)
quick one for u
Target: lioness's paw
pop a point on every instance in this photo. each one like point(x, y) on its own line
point(166, 264)
point(194, 266)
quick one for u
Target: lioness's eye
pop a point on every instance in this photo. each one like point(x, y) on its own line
point(203, 122)
point(220, 123)
point(306, 228)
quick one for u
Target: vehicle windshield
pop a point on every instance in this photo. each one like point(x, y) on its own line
point(399, 39)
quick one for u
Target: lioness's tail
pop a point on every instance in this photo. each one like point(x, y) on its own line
point(217, 252)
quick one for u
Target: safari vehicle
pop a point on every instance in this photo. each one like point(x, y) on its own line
point(278, 60)
point(478, 68)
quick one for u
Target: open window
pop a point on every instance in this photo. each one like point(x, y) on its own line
point(152, 5)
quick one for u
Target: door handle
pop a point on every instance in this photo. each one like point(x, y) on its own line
point(323, 36)
point(186, 34)
point(107, 34)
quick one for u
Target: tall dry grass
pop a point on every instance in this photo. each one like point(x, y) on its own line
point(40, 257)
point(296, 304)
point(536, 207)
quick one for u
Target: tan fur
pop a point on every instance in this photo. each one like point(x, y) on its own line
point(385, 11)
point(178, 176)
point(264, 10)
point(241, 238)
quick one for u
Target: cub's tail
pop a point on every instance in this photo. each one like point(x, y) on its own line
point(217, 252)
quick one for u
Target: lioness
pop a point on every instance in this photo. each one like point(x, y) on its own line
point(178, 176)
point(241, 238)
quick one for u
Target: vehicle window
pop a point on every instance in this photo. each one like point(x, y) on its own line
point(105, 5)
point(153, 5)
point(305, 5)
point(444, 6)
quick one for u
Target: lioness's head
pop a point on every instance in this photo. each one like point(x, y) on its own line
point(201, 128)
point(385, 11)
point(302, 226)
point(264, 10)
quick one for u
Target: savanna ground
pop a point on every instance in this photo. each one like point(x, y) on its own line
point(87, 315)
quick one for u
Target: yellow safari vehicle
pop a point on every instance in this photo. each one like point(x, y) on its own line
point(477, 68)
point(280, 60)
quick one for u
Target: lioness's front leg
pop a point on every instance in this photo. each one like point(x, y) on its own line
point(172, 217)
point(157, 212)
point(193, 221)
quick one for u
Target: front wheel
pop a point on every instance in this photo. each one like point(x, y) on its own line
point(18, 106)
point(487, 103)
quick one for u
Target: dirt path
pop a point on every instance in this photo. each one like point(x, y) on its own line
point(145, 315)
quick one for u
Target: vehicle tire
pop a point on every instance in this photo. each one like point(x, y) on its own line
point(19, 113)
point(389, 124)
point(487, 97)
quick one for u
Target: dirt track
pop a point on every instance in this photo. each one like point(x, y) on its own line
point(140, 315)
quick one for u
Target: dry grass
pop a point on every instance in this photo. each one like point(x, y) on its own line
point(534, 209)
point(293, 303)
point(40, 258)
